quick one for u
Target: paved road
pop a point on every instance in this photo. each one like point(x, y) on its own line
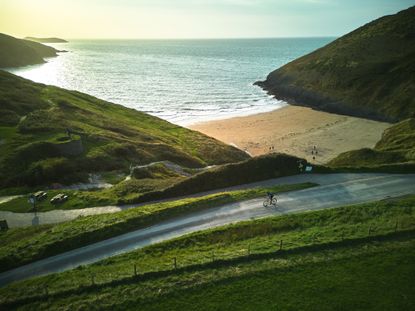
point(341, 189)
point(32, 219)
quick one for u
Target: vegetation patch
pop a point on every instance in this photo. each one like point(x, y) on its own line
point(395, 152)
point(158, 181)
point(246, 263)
point(251, 170)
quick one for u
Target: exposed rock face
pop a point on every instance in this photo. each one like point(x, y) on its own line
point(369, 72)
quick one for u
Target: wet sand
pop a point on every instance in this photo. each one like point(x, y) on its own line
point(296, 130)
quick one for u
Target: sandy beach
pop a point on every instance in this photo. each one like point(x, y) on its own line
point(296, 130)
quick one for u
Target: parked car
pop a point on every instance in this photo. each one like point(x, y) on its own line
point(40, 195)
point(59, 198)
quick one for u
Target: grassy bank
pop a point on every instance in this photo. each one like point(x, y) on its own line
point(242, 265)
point(51, 240)
point(78, 199)
point(159, 182)
point(394, 153)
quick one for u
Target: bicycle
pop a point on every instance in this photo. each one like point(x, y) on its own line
point(269, 202)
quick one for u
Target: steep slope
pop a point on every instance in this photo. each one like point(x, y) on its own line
point(369, 72)
point(397, 146)
point(35, 147)
point(17, 52)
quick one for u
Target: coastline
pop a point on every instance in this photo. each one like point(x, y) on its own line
point(295, 130)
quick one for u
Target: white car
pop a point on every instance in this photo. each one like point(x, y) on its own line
point(59, 198)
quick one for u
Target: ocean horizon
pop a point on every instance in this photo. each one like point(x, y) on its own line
point(183, 81)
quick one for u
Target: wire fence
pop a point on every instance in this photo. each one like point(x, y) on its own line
point(140, 270)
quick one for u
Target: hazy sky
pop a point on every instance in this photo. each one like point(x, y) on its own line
point(190, 18)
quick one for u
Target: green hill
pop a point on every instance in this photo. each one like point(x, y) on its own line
point(46, 40)
point(17, 52)
point(369, 72)
point(35, 148)
point(396, 147)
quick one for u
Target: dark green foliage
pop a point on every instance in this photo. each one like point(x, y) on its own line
point(395, 149)
point(17, 52)
point(8, 117)
point(255, 169)
point(369, 72)
point(34, 118)
point(400, 137)
point(155, 171)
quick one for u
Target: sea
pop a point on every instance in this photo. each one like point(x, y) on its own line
point(182, 81)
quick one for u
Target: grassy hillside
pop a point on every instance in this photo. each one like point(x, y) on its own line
point(396, 147)
point(46, 40)
point(35, 148)
point(369, 72)
point(17, 52)
point(351, 258)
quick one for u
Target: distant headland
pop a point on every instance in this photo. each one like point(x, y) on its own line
point(366, 73)
point(16, 52)
point(46, 40)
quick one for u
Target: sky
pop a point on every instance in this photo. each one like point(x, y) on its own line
point(73, 19)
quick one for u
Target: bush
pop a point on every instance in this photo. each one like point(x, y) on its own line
point(43, 120)
point(155, 171)
point(252, 170)
point(8, 117)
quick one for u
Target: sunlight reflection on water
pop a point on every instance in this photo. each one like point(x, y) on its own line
point(183, 81)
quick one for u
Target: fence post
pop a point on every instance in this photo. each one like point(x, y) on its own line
point(396, 226)
point(175, 263)
point(46, 290)
point(135, 269)
point(370, 230)
point(280, 245)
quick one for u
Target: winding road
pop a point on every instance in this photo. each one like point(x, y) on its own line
point(334, 190)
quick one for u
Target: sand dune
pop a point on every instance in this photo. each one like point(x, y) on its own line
point(296, 130)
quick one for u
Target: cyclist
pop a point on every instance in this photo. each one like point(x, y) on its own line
point(270, 196)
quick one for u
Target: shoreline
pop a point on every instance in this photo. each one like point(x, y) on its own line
point(301, 131)
point(188, 123)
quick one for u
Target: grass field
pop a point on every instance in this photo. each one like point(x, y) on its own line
point(50, 240)
point(357, 257)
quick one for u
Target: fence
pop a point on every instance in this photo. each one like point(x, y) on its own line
point(220, 258)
